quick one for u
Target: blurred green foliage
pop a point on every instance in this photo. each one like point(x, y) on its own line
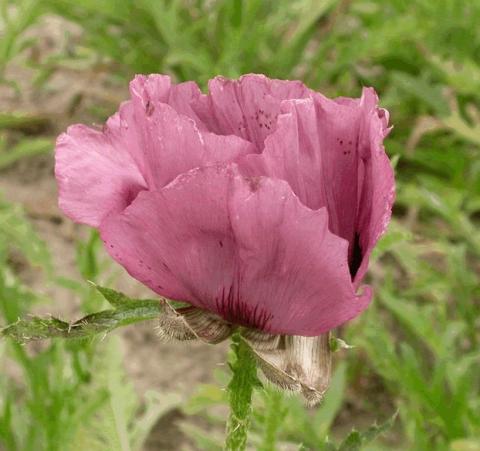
point(66, 395)
point(417, 347)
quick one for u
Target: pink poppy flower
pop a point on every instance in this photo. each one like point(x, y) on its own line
point(259, 202)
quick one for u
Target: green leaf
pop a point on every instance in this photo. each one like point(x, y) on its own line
point(374, 431)
point(127, 312)
point(25, 148)
point(424, 91)
point(356, 440)
point(115, 298)
point(36, 329)
point(353, 442)
point(21, 122)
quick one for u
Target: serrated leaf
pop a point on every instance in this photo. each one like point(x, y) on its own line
point(115, 298)
point(129, 312)
point(122, 302)
point(374, 431)
point(36, 328)
point(353, 442)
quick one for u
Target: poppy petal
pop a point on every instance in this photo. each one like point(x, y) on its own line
point(246, 249)
point(325, 150)
point(95, 175)
point(247, 107)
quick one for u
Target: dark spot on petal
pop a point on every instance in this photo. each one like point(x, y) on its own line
point(350, 143)
point(341, 141)
point(149, 268)
point(356, 256)
point(254, 183)
point(149, 108)
point(221, 243)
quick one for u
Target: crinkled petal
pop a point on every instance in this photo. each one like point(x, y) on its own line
point(377, 189)
point(174, 145)
point(164, 135)
point(247, 107)
point(246, 249)
point(144, 146)
point(95, 176)
point(320, 147)
point(166, 130)
point(149, 93)
point(149, 90)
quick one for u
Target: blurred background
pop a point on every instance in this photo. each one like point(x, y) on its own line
point(416, 348)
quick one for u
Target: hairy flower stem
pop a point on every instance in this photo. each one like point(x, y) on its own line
point(240, 390)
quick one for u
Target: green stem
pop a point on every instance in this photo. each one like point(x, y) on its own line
point(240, 390)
